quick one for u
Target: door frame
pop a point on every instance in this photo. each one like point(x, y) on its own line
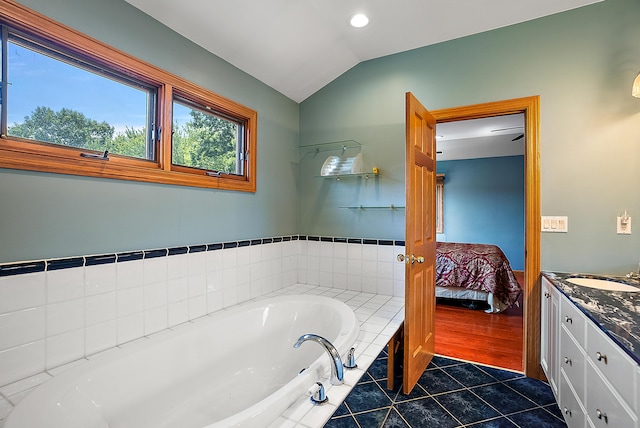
point(530, 107)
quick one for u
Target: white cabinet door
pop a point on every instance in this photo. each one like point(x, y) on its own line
point(549, 333)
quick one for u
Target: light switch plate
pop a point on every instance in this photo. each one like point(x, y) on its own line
point(623, 227)
point(555, 224)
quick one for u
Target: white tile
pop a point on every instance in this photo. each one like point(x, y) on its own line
point(354, 251)
point(155, 295)
point(100, 279)
point(386, 253)
point(399, 288)
point(65, 284)
point(229, 297)
point(385, 286)
point(178, 313)
point(340, 266)
point(64, 348)
point(369, 285)
point(21, 327)
point(197, 263)
point(214, 260)
point(385, 270)
point(156, 270)
point(354, 282)
point(326, 249)
point(177, 290)
point(326, 264)
point(325, 279)
point(130, 274)
point(130, 327)
point(177, 266)
point(229, 258)
point(197, 285)
point(244, 292)
point(214, 301)
point(197, 306)
point(65, 316)
point(22, 291)
point(130, 301)
point(100, 337)
point(100, 308)
point(340, 250)
point(255, 253)
point(155, 320)
point(339, 281)
point(370, 252)
point(229, 278)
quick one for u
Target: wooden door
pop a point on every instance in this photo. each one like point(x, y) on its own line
point(420, 239)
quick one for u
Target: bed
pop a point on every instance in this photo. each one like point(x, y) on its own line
point(476, 272)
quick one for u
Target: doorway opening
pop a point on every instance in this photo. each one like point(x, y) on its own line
point(529, 108)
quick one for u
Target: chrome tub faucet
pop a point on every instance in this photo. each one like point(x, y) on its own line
point(337, 373)
point(632, 275)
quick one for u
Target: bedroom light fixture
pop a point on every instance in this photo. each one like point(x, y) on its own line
point(635, 89)
point(359, 20)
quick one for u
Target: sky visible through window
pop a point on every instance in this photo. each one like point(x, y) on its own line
point(39, 80)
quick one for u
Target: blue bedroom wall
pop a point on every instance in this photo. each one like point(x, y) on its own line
point(484, 204)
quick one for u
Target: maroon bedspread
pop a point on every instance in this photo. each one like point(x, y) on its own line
point(477, 267)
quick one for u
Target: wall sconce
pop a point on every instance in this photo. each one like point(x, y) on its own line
point(635, 89)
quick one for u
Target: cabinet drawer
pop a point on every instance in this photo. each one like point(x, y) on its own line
point(613, 363)
point(572, 362)
point(573, 319)
point(604, 409)
point(570, 407)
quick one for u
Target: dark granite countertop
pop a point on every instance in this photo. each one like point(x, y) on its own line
point(617, 313)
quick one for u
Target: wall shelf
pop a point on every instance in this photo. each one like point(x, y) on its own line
point(391, 207)
point(338, 177)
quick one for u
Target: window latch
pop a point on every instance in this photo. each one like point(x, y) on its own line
point(214, 173)
point(103, 156)
point(243, 156)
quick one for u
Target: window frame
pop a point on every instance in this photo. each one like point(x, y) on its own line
point(439, 203)
point(24, 154)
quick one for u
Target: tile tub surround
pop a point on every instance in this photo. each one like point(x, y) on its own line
point(450, 393)
point(53, 312)
point(616, 313)
point(380, 317)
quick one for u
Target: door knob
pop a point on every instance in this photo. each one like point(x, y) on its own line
point(410, 259)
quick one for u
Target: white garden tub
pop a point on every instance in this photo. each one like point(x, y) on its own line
point(235, 368)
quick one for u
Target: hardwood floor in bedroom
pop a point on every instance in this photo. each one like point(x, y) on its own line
point(473, 335)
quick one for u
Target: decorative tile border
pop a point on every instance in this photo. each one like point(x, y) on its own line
point(10, 269)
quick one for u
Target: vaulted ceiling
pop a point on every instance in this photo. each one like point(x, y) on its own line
point(299, 46)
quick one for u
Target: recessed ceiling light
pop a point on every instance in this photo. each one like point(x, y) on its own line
point(359, 20)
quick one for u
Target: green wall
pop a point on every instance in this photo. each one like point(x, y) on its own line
point(581, 63)
point(49, 215)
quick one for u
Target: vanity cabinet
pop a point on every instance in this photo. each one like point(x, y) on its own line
point(595, 380)
point(549, 333)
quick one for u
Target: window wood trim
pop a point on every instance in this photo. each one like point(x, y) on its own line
point(440, 203)
point(17, 153)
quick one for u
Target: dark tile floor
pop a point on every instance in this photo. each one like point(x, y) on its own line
point(450, 393)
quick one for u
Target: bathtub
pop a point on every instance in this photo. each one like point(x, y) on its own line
point(234, 368)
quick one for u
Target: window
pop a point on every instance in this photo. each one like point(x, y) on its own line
point(55, 99)
point(440, 203)
point(205, 140)
point(70, 104)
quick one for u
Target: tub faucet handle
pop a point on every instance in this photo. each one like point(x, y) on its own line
point(351, 360)
point(318, 396)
